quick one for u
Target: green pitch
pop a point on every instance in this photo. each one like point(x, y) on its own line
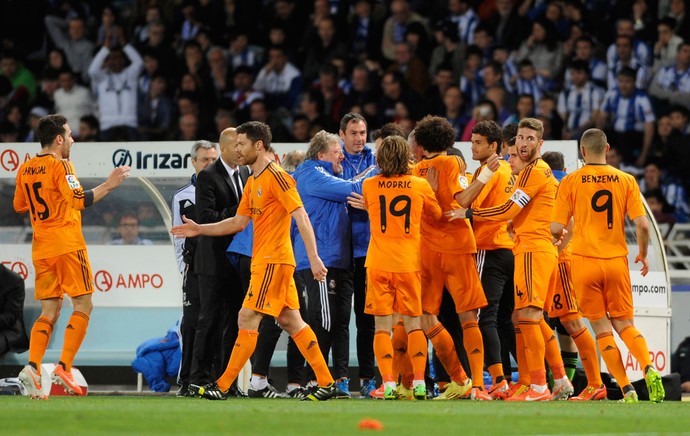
point(169, 415)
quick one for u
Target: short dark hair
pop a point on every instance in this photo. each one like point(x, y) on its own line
point(490, 130)
point(555, 160)
point(627, 72)
point(257, 131)
point(580, 66)
point(388, 129)
point(91, 121)
point(509, 133)
point(351, 116)
point(434, 134)
point(49, 127)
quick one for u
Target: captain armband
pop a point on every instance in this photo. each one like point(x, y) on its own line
point(520, 198)
point(88, 198)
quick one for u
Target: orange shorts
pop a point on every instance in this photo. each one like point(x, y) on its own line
point(68, 273)
point(458, 273)
point(561, 301)
point(603, 286)
point(389, 292)
point(271, 288)
point(535, 274)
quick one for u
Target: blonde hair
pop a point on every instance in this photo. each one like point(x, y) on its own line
point(292, 160)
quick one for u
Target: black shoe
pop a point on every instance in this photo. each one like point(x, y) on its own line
point(298, 393)
point(268, 392)
point(236, 392)
point(323, 393)
point(211, 391)
point(184, 391)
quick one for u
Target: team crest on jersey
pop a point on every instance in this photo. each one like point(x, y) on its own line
point(331, 284)
point(464, 183)
point(259, 192)
point(72, 181)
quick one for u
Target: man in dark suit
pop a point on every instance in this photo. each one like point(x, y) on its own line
point(12, 332)
point(218, 191)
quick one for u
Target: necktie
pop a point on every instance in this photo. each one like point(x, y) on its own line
point(238, 183)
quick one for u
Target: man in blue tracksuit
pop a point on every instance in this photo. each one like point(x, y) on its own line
point(324, 193)
point(358, 158)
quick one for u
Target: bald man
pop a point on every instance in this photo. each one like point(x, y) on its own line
point(218, 191)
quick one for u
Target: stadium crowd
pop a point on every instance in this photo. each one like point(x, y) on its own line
point(186, 70)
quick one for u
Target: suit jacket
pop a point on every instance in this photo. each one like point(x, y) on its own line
point(215, 201)
point(12, 310)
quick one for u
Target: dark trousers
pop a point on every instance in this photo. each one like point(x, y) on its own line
point(190, 317)
point(364, 323)
point(269, 333)
point(220, 301)
point(496, 273)
point(329, 306)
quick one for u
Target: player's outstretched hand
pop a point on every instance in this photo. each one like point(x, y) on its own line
point(318, 269)
point(645, 264)
point(432, 178)
point(357, 201)
point(187, 230)
point(456, 214)
point(117, 176)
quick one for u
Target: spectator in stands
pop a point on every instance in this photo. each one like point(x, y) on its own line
point(528, 81)
point(151, 67)
point(396, 25)
point(471, 84)
point(678, 153)
point(221, 71)
point(243, 94)
point(584, 51)
point(241, 54)
point(73, 100)
point(195, 65)
point(109, 27)
point(674, 193)
point(615, 158)
point(625, 59)
point(19, 75)
point(259, 111)
point(279, 80)
point(365, 32)
point(288, 16)
point(504, 57)
point(548, 114)
point(666, 46)
point(157, 45)
point(509, 27)
point(188, 127)
point(448, 50)
point(311, 106)
point(325, 47)
point(362, 86)
point(70, 36)
point(679, 10)
point(115, 83)
point(152, 15)
point(543, 48)
point(35, 116)
point(579, 102)
point(497, 95)
point(484, 111)
point(333, 96)
point(433, 97)
point(412, 68)
point(89, 129)
point(155, 111)
point(491, 76)
point(629, 114)
point(128, 227)
point(662, 211)
point(671, 84)
point(524, 108)
point(190, 24)
point(465, 18)
point(300, 130)
point(394, 91)
point(56, 61)
point(639, 50)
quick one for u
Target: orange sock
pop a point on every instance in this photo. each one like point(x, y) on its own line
point(241, 352)
point(534, 350)
point(383, 350)
point(445, 350)
point(588, 355)
point(523, 369)
point(496, 371)
point(308, 345)
point(612, 356)
point(474, 347)
point(552, 351)
point(74, 335)
point(401, 360)
point(40, 336)
point(417, 349)
point(637, 345)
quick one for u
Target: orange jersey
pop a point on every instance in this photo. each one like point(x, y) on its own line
point(269, 198)
point(598, 197)
point(530, 207)
point(49, 190)
point(452, 237)
point(492, 235)
point(395, 206)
